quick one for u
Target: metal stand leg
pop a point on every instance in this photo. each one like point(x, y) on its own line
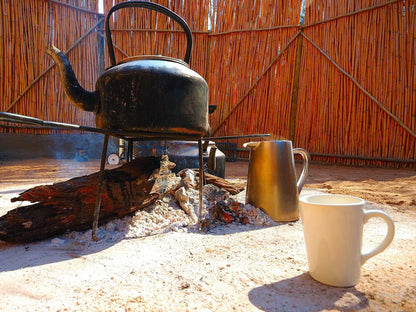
point(201, 178)
point(100, 186)
point(129, 150)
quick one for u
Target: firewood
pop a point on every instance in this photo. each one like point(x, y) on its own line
point(232, 188)
point(69, 205)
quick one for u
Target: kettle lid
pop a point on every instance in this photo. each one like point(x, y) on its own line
point(153, 57)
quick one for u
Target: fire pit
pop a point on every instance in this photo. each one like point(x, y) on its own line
point(141, 98)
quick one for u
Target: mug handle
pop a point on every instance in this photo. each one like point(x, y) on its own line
point(387, 239)
point(305, 169)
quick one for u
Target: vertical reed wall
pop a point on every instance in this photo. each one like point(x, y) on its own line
point(342, 84)
point(357, 92)
point(30, 85)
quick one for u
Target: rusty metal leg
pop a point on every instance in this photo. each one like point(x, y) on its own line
point(100, 186)
point(201, 178)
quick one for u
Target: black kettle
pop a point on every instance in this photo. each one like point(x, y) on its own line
point(143, 95)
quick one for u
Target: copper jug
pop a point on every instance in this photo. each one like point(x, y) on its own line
point(272, 184)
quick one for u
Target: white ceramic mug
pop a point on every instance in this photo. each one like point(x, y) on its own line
point(333, 231)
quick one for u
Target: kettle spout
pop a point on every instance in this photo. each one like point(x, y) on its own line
point(83, 99)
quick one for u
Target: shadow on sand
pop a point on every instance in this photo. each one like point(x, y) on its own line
point(303, 293)
point(55, 249)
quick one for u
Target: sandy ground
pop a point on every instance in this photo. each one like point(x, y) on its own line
point(231, 268)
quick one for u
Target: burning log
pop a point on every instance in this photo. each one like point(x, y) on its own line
point(70, 205)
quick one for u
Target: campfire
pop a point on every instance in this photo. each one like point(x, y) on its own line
point(143, 197)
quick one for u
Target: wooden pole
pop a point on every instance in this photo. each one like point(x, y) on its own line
point(295, 89)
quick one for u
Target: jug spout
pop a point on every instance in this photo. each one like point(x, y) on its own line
point(252, 145)
point(83, 99)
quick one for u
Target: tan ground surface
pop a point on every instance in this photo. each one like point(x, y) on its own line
point(232, 268)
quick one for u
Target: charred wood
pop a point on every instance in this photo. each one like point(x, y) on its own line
point(69, 205)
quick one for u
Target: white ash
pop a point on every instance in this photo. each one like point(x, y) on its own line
point(176, 209)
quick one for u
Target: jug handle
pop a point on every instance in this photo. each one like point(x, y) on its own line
point(150, 6)
point(305, 168)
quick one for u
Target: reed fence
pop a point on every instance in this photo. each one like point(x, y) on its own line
point(338, 79)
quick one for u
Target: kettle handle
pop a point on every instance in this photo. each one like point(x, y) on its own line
point(305, 168)
point(151, 6)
